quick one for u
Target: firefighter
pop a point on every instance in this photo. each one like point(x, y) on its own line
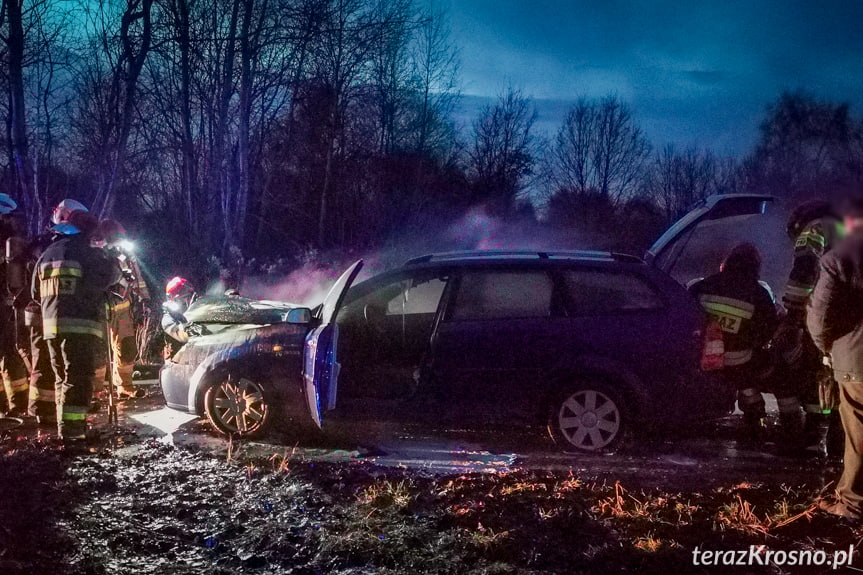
point(746, 314)
point(70, 281)
point(42, 403)
point(12, 361)
point(125, 298)
point(815, 228)
point(180, 294)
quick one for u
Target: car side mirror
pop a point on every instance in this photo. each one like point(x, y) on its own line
point(299, 316)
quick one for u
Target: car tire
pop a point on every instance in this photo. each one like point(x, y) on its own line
point(590, 417)
point(239, 405)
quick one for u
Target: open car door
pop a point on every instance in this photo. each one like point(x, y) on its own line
point(320, 362)
point(695, 245)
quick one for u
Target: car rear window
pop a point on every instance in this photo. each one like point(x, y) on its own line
point(503, 295)
point(596, 292)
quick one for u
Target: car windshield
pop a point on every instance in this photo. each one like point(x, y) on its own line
point(237, 310)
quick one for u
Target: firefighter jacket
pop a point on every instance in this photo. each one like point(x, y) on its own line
point(70, 281)
point(132, 282)
point(743, 309)
point(816, 239)
point(835, 314)
point(131, 289)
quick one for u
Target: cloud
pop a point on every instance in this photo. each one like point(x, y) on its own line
point(699, 71)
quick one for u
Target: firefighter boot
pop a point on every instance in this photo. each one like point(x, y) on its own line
point(791, 440)
point(815, 433)
point(17, 396)
point(123, 373)
point(751, 403)
point(752, 432)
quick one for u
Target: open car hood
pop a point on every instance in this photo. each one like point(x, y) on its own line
point(696, 244)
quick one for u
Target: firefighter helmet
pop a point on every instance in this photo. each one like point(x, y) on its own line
point(807, 212)
point(179, 288)
point(7, 204)
point(65, 208)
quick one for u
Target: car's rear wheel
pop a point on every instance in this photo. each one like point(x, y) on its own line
point(589, 417)
point(238, 405)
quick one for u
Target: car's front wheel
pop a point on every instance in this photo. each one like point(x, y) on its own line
point(238, 405)
point(589, 417)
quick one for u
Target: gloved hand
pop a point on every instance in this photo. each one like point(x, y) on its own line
point(788, 342)
point(196, 329)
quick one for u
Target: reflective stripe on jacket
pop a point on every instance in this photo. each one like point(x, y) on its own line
point(69, 280)
point(816, 239)
point(743, 309)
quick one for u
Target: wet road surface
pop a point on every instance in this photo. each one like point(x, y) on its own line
point(706, 455)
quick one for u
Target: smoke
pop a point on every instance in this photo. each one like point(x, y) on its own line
point(308, 283)
point(305, 286)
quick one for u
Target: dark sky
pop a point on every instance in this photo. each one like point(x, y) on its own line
point(694, 72)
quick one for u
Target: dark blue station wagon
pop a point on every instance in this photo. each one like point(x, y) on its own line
point(594, 345)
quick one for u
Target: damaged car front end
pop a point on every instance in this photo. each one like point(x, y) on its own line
point(257, 362)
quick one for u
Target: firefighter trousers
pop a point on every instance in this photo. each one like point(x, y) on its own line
point(123, 345)
point(14, 373)
point(744, 379)
point(43, 397)
point(73, 357)
point(801, 378)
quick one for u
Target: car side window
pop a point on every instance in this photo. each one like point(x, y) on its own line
point(357, 311)
point(596, 292)
point(503, 295)
point(420, 297)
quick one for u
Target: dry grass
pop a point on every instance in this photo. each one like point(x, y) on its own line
point(486, 539)
point(282, 462)
point(740, 515)
point(623, 505)
point(387, 494)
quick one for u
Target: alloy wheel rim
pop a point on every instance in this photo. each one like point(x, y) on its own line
point(589, 420)
point(239, 405)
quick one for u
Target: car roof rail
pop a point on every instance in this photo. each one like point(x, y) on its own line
point(539, 254)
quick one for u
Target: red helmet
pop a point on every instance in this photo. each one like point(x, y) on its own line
point(179, 288)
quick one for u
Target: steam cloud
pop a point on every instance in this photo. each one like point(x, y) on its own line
point(308, 284)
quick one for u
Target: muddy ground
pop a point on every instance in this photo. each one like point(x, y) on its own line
point(172, 498)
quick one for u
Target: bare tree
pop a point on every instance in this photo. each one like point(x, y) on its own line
point(502, 151)
point(19, 143)
point(598, 149)
point(436, 65)
point(677, 180)
point(121, 36)
point(620, 149)
point(571, 156)
point(807, 147)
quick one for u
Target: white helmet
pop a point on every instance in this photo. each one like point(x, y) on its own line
point(66, 207)
point(7, 204)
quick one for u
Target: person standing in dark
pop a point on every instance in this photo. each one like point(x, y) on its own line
point(746, 314)
point(814, 227)
point(71, 279)
point(13, 369)
point(835, 321)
